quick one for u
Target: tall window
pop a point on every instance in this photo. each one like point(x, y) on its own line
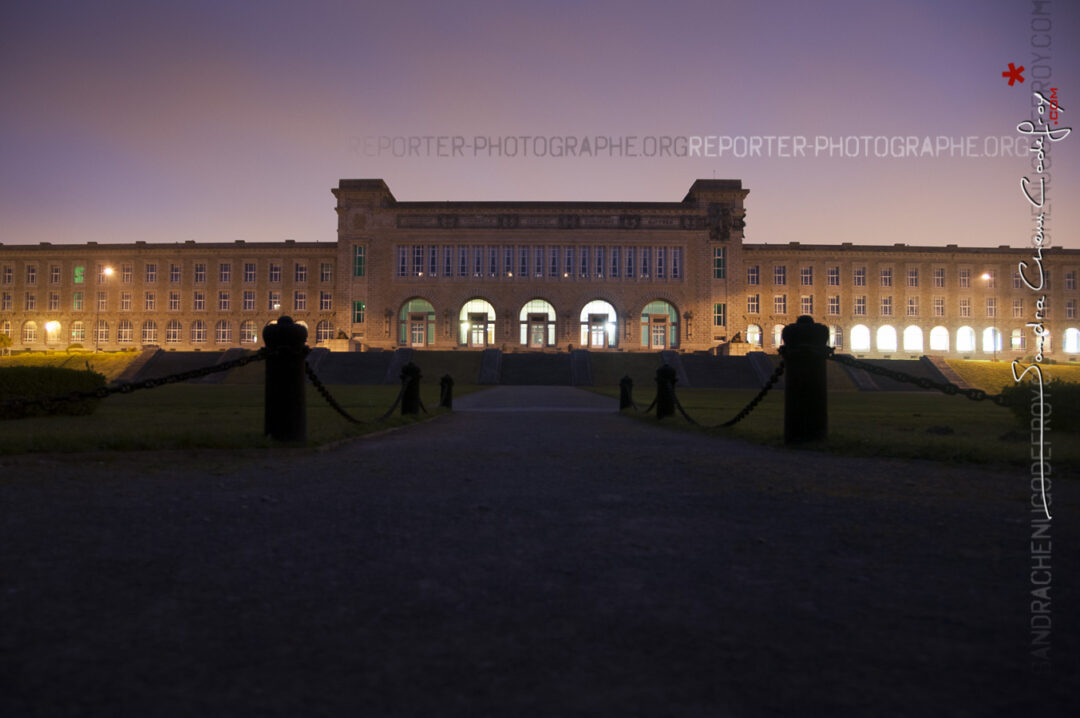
point(54, 274)
point(806, 305)
point(939, 277)
point(939, 306)
point(150, 301)
point(326, 302)
point(174, 301)
point(991, 278)
point(886, 306)
point(965, 306)
point(76, 301)
point(249, 272)
point(832, 305)
point(200, 273)
point(300, 301)
point(198, 332)
point(719, 269)
point(198, 301)
point(300, 272)
point(54, 301)
point(858, 276)
point(752, 304)
point(832, 276)
point(913, 276)
point(965, 278)
point(358, 312)
point(125, 273)
point(753, 275)
point(223, 301)
point(860, 305)
point(402, 262)
point(1018, 309)
point(676, 262)
point(780, 274)
point(780, 304)
point(806, 276)
point(886, 277)
point(358, 263)
point(30, 302)
point(174, 273)
point(273, 272)
point(125, 301)
point(991, 307)
point(273, 301)
point(661, 263)
point(326, 269)
point(719, 313)
point(151, 272)
point(913, 306)
point(249, 300)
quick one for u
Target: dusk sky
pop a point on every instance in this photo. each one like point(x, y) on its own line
point(213, 122)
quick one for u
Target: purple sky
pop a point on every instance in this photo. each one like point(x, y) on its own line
point(212, 121)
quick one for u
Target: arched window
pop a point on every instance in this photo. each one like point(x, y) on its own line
point(29, 333)
point(416, 323)
point(913, 340)
point(1071, 342)
point(753, 335)
point(223, 332)
point(149, 332)
point(939, 339)
point(249, 333)
point(836, 337)
point(991, 340)
point(965, 339)
point(860, 338)
point(78, 332)
point(1019, 341)
point(102, 331)
point(537, 319)
point(886, 339)
point(52, 332)
point(778, 335)
point(125, 332)
point(198, 332)
point(477, 322)
point(324, 331)
point(659, 325)
point(173, 332)
point(598, 323)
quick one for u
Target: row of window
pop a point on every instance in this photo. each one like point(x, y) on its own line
point(886, 307)
point(149, 300)
point(912, 339)
point(223, 271)
point(538, 261)
point(885, 276)
point(173, 332)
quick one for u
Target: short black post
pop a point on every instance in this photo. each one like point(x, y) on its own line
point(806, 396)
point(446, 391)
point(410, 399)
point(285, 405)
point(626, 393)
point(665, 391)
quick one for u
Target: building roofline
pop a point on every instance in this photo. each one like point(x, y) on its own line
point(912, 248)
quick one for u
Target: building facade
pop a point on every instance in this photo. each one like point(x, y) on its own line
point(544, 276)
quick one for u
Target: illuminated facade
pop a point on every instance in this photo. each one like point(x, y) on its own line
point(545, 276)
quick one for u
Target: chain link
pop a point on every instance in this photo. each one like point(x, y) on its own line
point(127, 387)
point(757, 399)
point(923, 382)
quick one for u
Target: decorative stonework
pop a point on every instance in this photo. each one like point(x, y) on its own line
point(551, 221)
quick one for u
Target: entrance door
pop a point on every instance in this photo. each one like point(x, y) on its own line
point(598, 330)
point(537, 330)
point(418, 330)
point(658, 328)
point(477, 329)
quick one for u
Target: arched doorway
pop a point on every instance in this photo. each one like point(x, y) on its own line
point(660, 325)
point(598, 323)
point(886, 339)
point(537, 319)
point(860, 338)
point(939, 339)
point(477, 319)
point(913, 341)
point(965, 339)
point(753, 335)
point(416, 323)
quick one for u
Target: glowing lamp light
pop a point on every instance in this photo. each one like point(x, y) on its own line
point(986, 275)
point(52, 326)
point(107, 271)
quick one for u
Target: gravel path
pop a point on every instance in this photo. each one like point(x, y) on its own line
point(557, 562)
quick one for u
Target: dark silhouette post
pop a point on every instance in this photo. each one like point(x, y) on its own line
point(446, 391)
point(285, 416)
point(626, 393)
point(665, 391)
point(410, 397)
point(806, 396)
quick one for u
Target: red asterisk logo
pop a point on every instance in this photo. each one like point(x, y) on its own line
point(1014, 73)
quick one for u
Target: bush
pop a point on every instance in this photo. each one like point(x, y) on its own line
point(1062, 400)
point(29, 382)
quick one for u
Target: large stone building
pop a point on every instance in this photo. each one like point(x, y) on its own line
point(622, 276)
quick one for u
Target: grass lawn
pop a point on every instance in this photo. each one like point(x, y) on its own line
point(111, 364)
point(181, 416)
point(898, 424)
point(992, 376)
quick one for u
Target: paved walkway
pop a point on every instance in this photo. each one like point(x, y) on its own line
point(545, 563)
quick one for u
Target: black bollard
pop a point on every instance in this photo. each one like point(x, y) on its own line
point(410, 399)
point(446, 391)
point(665, 391)
point(285, 406)
point(806, 397)
point(626, 393)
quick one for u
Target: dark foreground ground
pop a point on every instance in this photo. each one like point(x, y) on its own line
point(526, 563)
